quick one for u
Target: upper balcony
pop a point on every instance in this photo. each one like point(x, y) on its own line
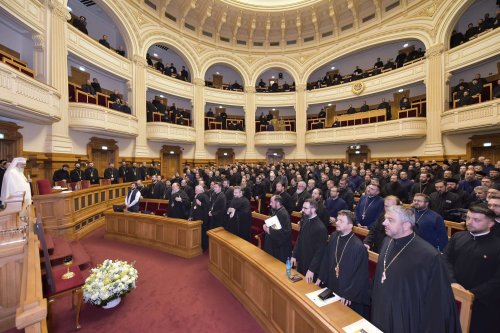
point(480, 48)
point(160, 82)
point(159, 131)
point(401, 128)
point(484, 116)
point(225, 138)
point(87, 48)
point(227, 97)
point(279, 99)
point(24, 98)
point(273, 139)
point(396, 78)
point(91, 118)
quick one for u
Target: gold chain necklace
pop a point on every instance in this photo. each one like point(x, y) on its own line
point(385, 257)
point(337, 260)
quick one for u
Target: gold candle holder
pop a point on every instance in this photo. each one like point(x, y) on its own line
point(68, 275)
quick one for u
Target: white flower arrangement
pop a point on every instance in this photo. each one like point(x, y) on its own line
point(108, 281)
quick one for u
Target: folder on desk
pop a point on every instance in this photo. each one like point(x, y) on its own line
point(273, 222)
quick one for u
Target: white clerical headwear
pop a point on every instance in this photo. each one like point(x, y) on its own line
point(15, 181)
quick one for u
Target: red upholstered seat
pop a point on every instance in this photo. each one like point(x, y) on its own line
point(85, 184)
point(151, 206)
point(142, 206)
point(74, 185)
point(160, 212)
point(105, 181)
point(44, 186)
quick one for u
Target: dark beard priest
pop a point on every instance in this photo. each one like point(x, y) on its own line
point(239, 219)
point(411, 287)
point(344, 267)
point(179, 203)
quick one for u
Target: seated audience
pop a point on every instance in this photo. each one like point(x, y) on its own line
point(387, 107)
point(117, 105)
point(457, 38)
point(404, 103)
point(322, 113)
point(210, 113)
point(159, 65)
point(471, 32)
point(96, 85)
point(351, 110)
point(364, 107)
point(114, 96)
point(465, 100)
point(121, 51)
point(87, 87)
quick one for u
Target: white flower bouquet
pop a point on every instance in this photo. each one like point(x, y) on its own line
point(108, 281)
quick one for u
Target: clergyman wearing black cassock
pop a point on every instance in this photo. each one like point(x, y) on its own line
point(218, 208)
point(133, 173)
point(76, 175)
point(199, 211)
point(278, 242)
point(344, 267)
point(473, 259)
point(156, 189)
point(92, 174)
point(122, 172)
point(413, 294)
point(239, 219)
point(111, 173)
point(312, 239)
point(179, 203)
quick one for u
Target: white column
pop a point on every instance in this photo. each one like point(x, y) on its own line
point(249, 108)
point(300, 121)
point(199, 118)
point(58, 141)
point(436, 99)
point(139, 105)
point(39, 57)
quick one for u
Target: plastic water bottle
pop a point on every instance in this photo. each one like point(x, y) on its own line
point(288, 267)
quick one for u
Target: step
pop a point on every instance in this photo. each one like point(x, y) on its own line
point(62, 249)
point(50, 244)
point(80, 255)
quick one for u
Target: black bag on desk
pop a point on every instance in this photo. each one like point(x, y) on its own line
point(326, 294)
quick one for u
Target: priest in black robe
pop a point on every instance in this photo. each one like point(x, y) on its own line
point(218, 209)
point(344, 267)
point(111, 173)
point(179, 203)
point(199, 212)
point(411, 290)
point(92, 174)
point(133, 173)
point(300, 196)
point(473, 259)
point(369, 206)
point(156, 189)
point(286, 198)
point(76, 175)
point(239, 215)
point(312, 239)
point(376, 234)
point(278, 242)
point(61, 174)
point(122, 171)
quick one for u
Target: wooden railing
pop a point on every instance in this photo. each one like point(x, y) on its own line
point(75, 214)
point(16, 63)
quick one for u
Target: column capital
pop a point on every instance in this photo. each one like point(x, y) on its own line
point(198, 81)
point(140, 61)
point(59, 9)
point(250, 89)
point(38, 41)
point(435, 50)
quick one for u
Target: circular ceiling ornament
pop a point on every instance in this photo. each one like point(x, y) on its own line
point(271, 5)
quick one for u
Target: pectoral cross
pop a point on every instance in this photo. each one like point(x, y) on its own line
point(363, 216)
point(337, 271)
point(383, 277)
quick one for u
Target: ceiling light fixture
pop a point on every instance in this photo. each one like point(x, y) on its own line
point(81, 68)
point(329, 104)
point(400, 90)
point(405, 45)
point(487, 144)
point(104, 147)
point(155, 54)
point(161, 96)
point(172, 152)
point(333, 67)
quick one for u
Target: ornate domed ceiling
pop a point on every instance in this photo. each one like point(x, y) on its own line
point(274, 23)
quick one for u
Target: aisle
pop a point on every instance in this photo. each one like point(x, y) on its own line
point(172, 295)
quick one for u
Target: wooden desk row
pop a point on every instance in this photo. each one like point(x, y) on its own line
point(259, 282)
point(16, 63)
point(176, 236)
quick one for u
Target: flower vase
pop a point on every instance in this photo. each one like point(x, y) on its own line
point(112, 304)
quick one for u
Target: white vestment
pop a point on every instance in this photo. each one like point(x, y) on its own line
point(15, 182)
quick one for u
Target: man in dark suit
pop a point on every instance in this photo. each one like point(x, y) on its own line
point(104, 41)
point(199, 211)
point(61, 174)
point(87, 87)
point(133, 173)
point(76, 175)
point(217, 211)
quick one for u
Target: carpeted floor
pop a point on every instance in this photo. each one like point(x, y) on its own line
point(172, 295)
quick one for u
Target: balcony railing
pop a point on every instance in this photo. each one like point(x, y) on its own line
point(483, 116)
point(100, 120)
point(225, 138)
point(157, 81)
point(401, 128)
point(280, 138)
point(24, 98)
point(158, 131)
